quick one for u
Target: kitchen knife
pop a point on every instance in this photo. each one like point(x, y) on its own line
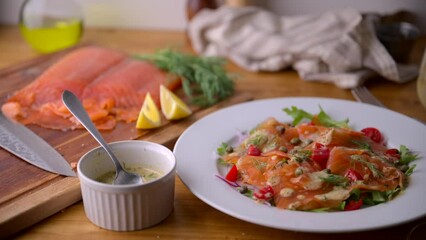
point(22, 142)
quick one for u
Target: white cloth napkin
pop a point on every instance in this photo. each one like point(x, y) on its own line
point(338, 47)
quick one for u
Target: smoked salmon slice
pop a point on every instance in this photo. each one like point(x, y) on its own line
point(111, 86)
point(377, 173)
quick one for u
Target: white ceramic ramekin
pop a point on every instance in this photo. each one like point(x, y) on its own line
point(128, 207)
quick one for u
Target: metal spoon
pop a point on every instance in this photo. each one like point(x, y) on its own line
point(76, 108)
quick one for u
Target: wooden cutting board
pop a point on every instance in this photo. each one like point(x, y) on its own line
point(29, 194)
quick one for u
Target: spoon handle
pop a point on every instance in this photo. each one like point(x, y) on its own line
point(76, 108)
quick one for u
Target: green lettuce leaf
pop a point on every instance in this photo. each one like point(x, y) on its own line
point(327, 121)
point(297, 114)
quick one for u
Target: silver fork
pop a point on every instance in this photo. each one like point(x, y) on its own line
point(362, 94)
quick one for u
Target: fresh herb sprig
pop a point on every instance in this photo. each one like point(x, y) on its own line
point(204, 79)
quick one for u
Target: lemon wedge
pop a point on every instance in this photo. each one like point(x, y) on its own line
point(172, 106)
point(149, 116)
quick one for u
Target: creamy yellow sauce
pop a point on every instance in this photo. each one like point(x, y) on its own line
point(147, 174)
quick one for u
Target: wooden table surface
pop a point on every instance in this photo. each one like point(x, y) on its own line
point(192, 218)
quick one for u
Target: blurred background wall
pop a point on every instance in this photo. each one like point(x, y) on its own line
point(384, 7)
point(158, 14)
point(171, 14)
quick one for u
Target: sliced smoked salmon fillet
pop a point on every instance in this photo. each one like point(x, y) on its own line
point(111, 86)
point(73, 72)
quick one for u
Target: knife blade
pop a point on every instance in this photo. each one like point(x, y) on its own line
point(22, 142)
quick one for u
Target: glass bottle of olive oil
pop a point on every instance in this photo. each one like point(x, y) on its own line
point(51, 25)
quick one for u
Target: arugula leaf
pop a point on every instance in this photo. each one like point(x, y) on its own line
point(378, 197)
point(204, 79)
point(297, 114)
point(327, 121)
point(367, 200)
point(223, 162)
point(221, 150)
point(410, 170)
point(355, 194)
point(320, 210)
point(390, 194)
point(406, 155)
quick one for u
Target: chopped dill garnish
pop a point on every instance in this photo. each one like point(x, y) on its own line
point(301, 155)
point(362, 145)
point(376, 172)
point(335, 179)
point(259, 165)
point(257, 138)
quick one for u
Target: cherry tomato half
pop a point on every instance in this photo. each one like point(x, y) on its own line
point(353, 205)
point(232, 174)
point(373, 133)
point(320, 156)
point(265, 193)
point(253, 151)
point(353, 175)
point(393, 152)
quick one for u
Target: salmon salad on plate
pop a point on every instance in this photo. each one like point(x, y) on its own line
point(315, 163)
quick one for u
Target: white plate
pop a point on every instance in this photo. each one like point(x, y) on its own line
point(197, 164)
